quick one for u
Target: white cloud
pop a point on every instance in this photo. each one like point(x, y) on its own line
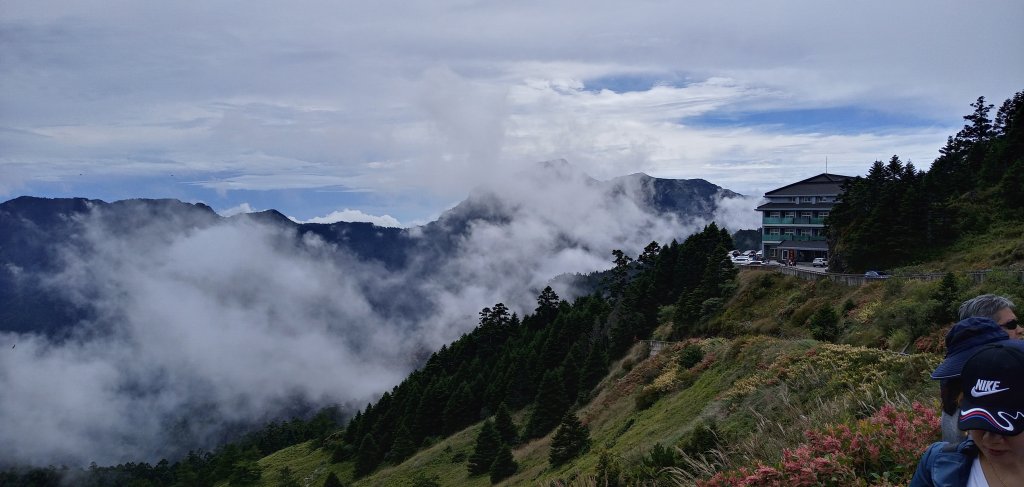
point(434, 96)
point(350, 215)
point(237, 210)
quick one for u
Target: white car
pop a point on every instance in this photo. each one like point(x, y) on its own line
point(741, 260)
point(819, 262)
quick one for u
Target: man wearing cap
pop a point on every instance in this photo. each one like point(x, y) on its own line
point(992, 412)
point(965, 338)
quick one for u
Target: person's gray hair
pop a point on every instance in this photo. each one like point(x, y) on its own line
point(984, 306)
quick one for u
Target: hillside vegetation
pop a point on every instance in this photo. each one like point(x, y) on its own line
point(771, 383)
point(765, 376)
point(707, 407)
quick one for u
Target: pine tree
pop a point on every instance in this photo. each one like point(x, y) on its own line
point(504, 464)
point(487, 444)
point(507, 430)
point(460, 410)
point(620, 273)
point(547, 309)
point(595, 367)
point(403, 446)
point(332, 480)
point(286, 478)
point(367, 456)
point(549, 405)
point(948, 297)
point(245, 472)
point(571, 439)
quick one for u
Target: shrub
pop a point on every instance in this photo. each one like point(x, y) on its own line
point(646, 398)
point(880, 450)
point(825, 325)
point(691, 355)
point(703, 439)
point(609, 472)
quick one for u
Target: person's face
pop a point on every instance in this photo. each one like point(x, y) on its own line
point(1005, 316)
point(999, 448)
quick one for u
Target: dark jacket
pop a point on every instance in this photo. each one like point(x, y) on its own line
point(945, 465)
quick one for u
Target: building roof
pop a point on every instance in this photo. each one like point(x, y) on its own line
point(822, 184)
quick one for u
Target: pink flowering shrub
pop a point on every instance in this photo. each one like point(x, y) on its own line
point(881, 450)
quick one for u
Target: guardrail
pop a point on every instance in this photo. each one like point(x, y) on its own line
point(859, 279)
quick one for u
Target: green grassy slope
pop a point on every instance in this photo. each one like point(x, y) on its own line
point(761, 393)
point(760, 386)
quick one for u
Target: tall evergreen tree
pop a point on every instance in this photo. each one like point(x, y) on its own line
point(504, 464)
point(547, 309)
point(487, 444)
point(620, 273)
point(403, 447)
point(595, 367)
point(571, 439)
point(549, 405)
point(507, 430)
point(367, 458)
point(332, 480)
point(460, 410)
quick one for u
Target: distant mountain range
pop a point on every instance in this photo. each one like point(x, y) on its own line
point(36, 232)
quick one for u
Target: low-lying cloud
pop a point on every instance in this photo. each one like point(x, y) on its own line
point(199, 326)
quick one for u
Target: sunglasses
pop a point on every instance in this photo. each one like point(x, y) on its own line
point(1010, 325)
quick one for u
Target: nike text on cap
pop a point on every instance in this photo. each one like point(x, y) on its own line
point(965, 338)
point(993, 387)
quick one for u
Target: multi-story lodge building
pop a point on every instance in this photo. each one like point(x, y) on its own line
point(793, 219)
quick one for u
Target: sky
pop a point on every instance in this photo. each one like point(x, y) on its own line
point(391, 112)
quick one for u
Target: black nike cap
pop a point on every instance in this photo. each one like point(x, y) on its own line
point(993, 387)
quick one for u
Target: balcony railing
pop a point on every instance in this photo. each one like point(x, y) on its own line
point(798, 238)
point(792, 221)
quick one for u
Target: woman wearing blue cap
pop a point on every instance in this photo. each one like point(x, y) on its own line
point(992, 412)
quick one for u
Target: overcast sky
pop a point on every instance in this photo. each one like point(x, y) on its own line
point(391, 111)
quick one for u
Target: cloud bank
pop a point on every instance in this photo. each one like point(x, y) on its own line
point(201, 326)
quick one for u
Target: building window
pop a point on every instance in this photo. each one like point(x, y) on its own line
point(806, 214)
point(790, 231)
point(790, 214)
point(807, 199)
point(806, 231)
point(773, 231)
point(775, 214)
point(822, 214)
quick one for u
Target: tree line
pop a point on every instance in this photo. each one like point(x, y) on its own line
point(898, 214)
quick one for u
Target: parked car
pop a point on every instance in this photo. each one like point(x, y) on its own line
point(819, 262)
point(754, 262)
point(741, 260)
point(876, 275)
